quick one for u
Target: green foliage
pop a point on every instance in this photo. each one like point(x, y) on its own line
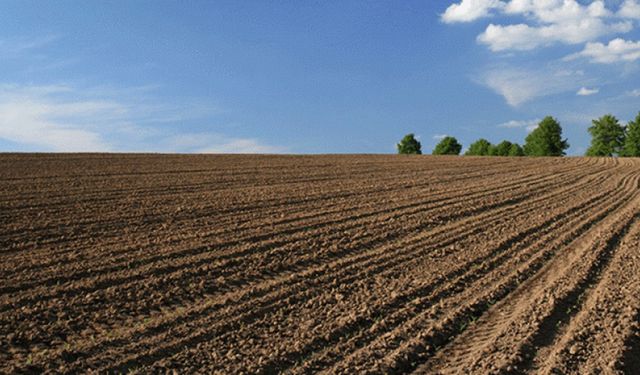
point(482, 147)
point(607, 137)
point(409, 145)
point(448, 146)
point(501, 149)
point(546, 139)
point(631, 145)
point(516, 150)
point(479, 148)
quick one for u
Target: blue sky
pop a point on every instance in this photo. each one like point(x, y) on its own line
point(309, 76)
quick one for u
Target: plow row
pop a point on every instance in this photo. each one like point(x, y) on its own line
point(304, 264)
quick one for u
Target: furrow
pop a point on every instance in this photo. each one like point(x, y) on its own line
point(347, 280)
point(511, 315)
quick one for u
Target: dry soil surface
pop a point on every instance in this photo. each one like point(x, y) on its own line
point(332, 264)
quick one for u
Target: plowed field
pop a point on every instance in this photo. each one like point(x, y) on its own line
point(334, 264)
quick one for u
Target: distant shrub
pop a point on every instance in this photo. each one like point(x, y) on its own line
point(546, 139)
point(482, 147)
point(479, 148)
point(607, 137)
point(501, 149)
point(516, 150)
point(631, 145)
point(409, 145)
point(448, 146)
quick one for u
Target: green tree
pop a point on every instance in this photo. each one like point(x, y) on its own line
point(479, 148)
point(447, 146)
point(501, 149)
point(516, 150)
point(607, 137)
point(546, 139)
point(409, 145)
point(632, 138)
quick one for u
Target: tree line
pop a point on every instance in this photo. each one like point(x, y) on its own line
point(608, 138)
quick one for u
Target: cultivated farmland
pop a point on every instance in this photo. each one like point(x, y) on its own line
point(298, 264)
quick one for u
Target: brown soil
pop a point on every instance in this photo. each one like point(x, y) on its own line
point(334, 264)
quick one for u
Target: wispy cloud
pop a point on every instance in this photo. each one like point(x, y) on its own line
point(242, 146)
point(439, 137)
point(66, 118)
point(634, 93)
point(587, 92)
point(520, 85)
point(529, 125)
point(211, 142)
point(32, 117)
point(19, 46)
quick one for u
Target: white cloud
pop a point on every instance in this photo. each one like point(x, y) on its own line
point(524, 37)
point(215, 143)
point(32, 118)
point(556, 11)
point(519, 85)
point(469, 10)
point(586, 92)
point(515, 86)
point(529, 7)
point(439, 137)
point(513, 124)
point(618, 50)
point(103, 118)
point(528, 125)
point(242, 146)
point(634, 93)
point(500, 38)
point(548, 21)
point(630, 9)
point(62, 118)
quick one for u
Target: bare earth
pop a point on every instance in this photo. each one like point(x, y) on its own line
point(334, 264)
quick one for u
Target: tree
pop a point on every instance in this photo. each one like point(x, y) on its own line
point(479, 148)
point(447, 146)
point(546, 139)
point(516, 150)
point(632, 138)
point(607, 137)
point(501, 149)
point(409, 145)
